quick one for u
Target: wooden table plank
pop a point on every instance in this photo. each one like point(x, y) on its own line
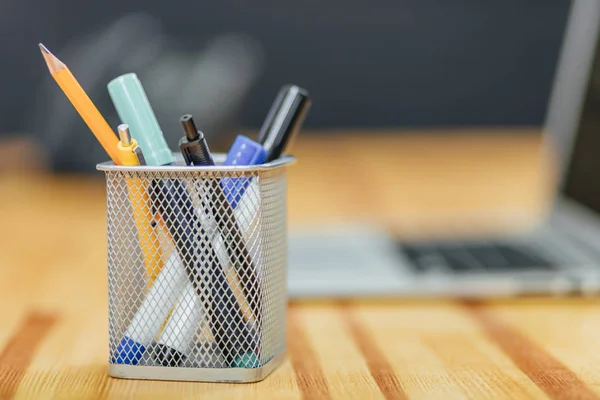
point(567, 358)
point(438, 352)
point(339, 360)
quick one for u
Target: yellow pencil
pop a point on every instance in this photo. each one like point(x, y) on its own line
point(138, 196)
point(82, 103)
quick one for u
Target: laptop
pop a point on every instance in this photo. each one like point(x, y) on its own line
point(559, 255)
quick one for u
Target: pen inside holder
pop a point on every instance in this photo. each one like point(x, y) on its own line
point(213, 305)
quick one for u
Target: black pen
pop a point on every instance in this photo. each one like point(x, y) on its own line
point(195, 151)
point(284, 120)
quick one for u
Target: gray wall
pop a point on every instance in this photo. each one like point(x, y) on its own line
point(380, 63)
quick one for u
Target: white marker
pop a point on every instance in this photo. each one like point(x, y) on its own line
point(153, 311)
point(177, 339)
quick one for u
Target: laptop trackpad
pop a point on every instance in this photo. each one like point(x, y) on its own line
point(320, 261)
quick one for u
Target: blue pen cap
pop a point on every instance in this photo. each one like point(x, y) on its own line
point(128, 352)
point(244, 151)
point(134, 109)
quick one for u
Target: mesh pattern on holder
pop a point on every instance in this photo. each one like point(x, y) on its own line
point(196, 266)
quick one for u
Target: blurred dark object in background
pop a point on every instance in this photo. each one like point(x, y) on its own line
point(367, 65)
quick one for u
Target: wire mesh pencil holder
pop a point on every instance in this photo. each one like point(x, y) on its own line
point(196, 271)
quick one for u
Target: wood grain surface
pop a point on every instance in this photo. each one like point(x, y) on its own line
point(54, 335)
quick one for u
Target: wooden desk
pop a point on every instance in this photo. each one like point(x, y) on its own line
point(53, 335)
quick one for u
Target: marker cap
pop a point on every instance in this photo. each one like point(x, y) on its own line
point(248, 360)
point(244, 151)
point(284, 120)
point(128, 352)
point(133, 107)
point(167, 356)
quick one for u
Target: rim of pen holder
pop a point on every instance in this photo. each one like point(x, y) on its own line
point(196, 374)
point(180, 166)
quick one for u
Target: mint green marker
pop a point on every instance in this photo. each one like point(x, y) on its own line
point(134, 109)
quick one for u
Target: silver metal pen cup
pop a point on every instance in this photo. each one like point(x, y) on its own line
point(196, 270)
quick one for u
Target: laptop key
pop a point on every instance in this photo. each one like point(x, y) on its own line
point(524, 257)
point(458, 259)
point(488, 255)
point(423, 258)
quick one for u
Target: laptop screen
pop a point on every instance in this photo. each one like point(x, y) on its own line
point(582, 179)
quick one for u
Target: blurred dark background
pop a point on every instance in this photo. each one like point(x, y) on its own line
point(378, 64)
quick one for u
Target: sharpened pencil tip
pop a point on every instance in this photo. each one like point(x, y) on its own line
point(44, 49)
point(54, 64)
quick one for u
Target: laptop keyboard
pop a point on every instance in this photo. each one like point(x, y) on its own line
point(474, 257)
